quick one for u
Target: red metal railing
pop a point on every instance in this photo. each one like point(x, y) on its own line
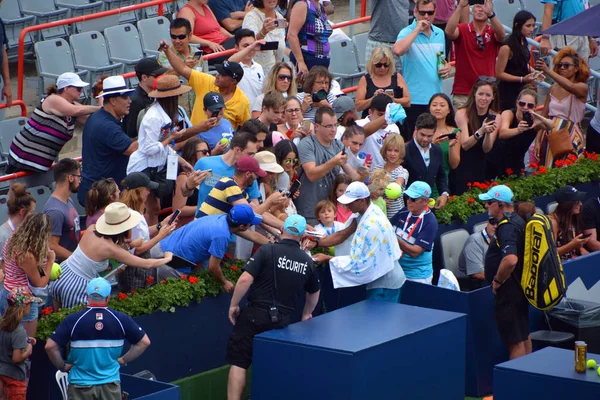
point(363, 8)
point(19, 103)
point(22, 174)
point(69, 21)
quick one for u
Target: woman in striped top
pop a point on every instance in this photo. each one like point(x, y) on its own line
point(50, 126)
point(28, 262)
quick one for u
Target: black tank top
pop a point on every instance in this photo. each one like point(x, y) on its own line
point(372, 88)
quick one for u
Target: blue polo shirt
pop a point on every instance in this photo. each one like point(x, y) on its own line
point(223, 8)
point(564, 9)
point(419, 63)
point(200, 239)
point(97, 336)
point(104, 142)
point(420, 232)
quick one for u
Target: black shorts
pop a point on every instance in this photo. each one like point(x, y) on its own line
point(249, 323)
point(512, 313)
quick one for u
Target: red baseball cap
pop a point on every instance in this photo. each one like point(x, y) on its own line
point(249, 164)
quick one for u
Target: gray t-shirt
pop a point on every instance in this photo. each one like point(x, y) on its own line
point(472, 258)
point(5, 232)
point(388, 18)
point(311, 150)
point(65, 222)
point(9, 341)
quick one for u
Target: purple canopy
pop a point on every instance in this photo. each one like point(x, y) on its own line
point(582, 24)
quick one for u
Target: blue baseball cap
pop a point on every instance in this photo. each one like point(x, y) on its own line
point(98, 288)
point(295, 225)
point(498, 193)
point(418, 189)
point(243, 214)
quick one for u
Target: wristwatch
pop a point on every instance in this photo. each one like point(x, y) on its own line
point(492, 16)
point(158, 226)
point(477, 135)
point(497, 281)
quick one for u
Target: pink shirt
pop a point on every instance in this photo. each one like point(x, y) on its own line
point(342, 213)
point(444, 10)
point(14, 276)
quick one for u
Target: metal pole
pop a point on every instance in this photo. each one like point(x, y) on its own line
point(352, 16)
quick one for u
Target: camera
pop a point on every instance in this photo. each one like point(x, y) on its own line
point(274, 314)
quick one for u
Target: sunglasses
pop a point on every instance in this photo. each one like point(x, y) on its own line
point(430, 13)
point(79, 89)
point(284, 77)
point(381, 65)
point(487, 79)
point(531, 106)
point(291, 161)
point(564, 65)
point(180, 37)
point(480, 43)
point(493, 221)
point(204, 151)
point(490, 202)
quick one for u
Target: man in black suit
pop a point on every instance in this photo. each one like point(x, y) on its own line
point(424, 160)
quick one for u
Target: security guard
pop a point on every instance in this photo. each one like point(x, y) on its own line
point(275, 276)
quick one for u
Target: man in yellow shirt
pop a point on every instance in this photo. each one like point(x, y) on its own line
point(229, 74)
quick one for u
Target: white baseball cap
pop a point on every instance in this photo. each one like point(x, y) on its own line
point(354, 191)
point(70, 79)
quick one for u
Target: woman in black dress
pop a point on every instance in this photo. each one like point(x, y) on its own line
point(512, 66)
point(480, 119)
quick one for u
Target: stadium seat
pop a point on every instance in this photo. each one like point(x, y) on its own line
point(151, 12)
point(53, 57)
point(360, 43)
point(41, 194)
point(344, 63)
point(124, 45)
point(479, 227)
point(128, 17)
point(152, 31)
point(45, 11)
point(8, 129)
point(14, 23)
point(78, 8)
point(452, 244)
point(507, 11)
point(551, 207)
point(89, 52)
point(3, 207)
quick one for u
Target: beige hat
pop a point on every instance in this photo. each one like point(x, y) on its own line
point(268, 162)
point(168, 86)
point(117, 218)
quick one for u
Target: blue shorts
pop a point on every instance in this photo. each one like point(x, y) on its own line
point(33, 314)
point(380, 294)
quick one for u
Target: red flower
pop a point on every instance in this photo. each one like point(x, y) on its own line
point(234, 268)
point(522, 171)
point(572, 157)
point(507, 184)
point(133, 292)
point(183, 276)
point(494, 184)
point(122, 296)
point(559, 163)
point(533, 165)
point(567, 163)
point(46, 311)
point(227, 256)
point(452, 197)
point(150, 280)
point(163, 281)
point(534, 174)
point(469, 184)
point(543, 170)
point(193, 280)
point(470, 200)
point(509, 171)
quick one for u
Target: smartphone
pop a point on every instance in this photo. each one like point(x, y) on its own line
point(319, 96)
point(398, 92)
point(344, 150)
point(490, 117)
point(473, 2)
point(206, 170)
point(389, 91)
point(586, 235)
point(174, 216)
point(198, 55)
point(213, 114)
point(306, 125)
point(181, 125)
point(294, 188)
point(528, 118)
point(536, 56)
point(269, 46)
point(450, 136)
point(281, 23)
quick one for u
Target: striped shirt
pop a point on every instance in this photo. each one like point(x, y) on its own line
point(221, 198)
point(314, 35)
point(37, 145)
point(14, 276)
point(395, 205)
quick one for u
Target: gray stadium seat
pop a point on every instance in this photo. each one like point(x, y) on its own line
point(41, 194)
point(124, 46)
point(78, 8)
point(53, 57)
point(128, 17)
point(452, 244)
point(344, 63)
point(14, 23)
point(152, 31)
point(8, 129)
point(360, 42)
point(46, 11)
point(551, 207)
point(479, 227)
point(3, 208)
point(90, 53)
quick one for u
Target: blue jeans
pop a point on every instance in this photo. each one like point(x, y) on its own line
point(389, 295)
point(310, 60)
point(33, 314)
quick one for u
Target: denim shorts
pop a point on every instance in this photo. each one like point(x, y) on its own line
point(33, 314)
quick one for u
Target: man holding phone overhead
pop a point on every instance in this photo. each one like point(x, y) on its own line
point(247, 46)
point(476, 46)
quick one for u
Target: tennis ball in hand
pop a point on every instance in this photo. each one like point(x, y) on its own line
point(431, 203)
point(224, 141)
point(591, 364)
point(393, 191)
point(56, 272)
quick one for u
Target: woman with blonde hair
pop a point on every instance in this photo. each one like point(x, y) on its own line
point(566, 100)
point(393, 152)
point(102, 193)
point(28, 262)
point(381, 77)
point(280, 79)
point(20, 204)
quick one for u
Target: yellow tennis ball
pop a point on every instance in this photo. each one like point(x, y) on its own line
point(598, 370)
point(56, 272)
point(393, 191)
point(591, 363)
point(224, 141)
point(431, 202)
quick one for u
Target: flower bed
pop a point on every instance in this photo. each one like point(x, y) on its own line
point(162, 296)
point(541, 182)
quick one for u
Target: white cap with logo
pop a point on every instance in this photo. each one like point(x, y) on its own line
point(354, 191)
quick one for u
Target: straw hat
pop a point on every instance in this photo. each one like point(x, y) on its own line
point(168, 86)
point(268, 162)
point(117, 218)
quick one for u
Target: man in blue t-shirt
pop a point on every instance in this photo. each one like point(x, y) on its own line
point(214, 106)
point(106, 147)
point(416, 228)
point(96, 336)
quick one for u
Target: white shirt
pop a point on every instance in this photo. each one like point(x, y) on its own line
point(151, 152)
point(425, 153)
point(252, 81)
point(374, 142)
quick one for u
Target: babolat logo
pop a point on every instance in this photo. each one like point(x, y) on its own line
point(536, 258)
